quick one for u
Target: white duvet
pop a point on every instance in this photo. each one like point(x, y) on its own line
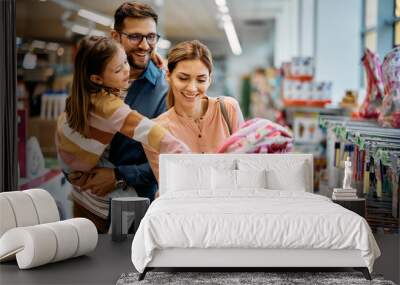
point(253, 218)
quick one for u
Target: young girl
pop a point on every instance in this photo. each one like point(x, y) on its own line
point(95, 110)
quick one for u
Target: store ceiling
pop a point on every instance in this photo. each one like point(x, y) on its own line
point(180, 19)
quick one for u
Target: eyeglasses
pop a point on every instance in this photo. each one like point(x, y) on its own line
point(138, 38)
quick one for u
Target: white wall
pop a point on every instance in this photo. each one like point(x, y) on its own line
point(307, 27)
point(258, 49)
point(338, 44)
point(287, 32)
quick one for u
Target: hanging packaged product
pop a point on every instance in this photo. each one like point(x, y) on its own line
point(390, 113)
point(373, 99)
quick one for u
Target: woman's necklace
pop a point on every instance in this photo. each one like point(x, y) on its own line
point(196, 120)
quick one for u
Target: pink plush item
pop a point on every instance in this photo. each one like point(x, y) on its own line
point(373, 99)
point(258, 136)
point(390, 113)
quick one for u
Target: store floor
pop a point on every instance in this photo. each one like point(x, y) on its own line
point(388, 264)
point(110, 259)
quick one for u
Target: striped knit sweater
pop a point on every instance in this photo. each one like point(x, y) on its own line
point(108, 115)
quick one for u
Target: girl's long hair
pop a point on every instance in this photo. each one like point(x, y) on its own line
point(188, 50)
point(93, 55)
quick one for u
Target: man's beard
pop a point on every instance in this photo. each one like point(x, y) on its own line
point(135, 65)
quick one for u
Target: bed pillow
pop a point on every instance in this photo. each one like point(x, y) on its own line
point(251, 178)
point(281, 174)
point(187, 177)
point(292, 178)
point(223, 179)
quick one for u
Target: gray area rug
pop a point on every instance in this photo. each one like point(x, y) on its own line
point(229, 278)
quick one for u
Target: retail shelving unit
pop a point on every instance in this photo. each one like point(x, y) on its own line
point(375, 153)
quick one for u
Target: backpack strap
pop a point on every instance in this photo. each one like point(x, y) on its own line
point(224, 113)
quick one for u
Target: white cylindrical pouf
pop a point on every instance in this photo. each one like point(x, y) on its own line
point(87, 235)
point(33, 246)
point(45, 205)
point(40, 244)
point(23, 208)
point(67, 239)
point(7, 218)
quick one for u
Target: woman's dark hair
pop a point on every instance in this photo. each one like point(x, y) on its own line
point(187, 50)
point(133, 10)
point(93, 55)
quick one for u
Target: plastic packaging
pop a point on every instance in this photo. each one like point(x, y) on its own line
point(373, 99)
point(390, 113)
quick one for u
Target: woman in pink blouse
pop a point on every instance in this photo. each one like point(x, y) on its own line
point(192, 116)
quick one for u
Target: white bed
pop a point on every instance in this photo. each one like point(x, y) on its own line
point(247, 211)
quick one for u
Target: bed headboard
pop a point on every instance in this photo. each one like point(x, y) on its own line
point(264, 160)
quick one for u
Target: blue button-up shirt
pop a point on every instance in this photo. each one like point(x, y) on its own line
point(147, 95)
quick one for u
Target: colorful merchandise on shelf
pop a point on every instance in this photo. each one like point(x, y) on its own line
point(53, 104)
point(262, 104)
point(302, 67)
point(373, 99)
point(306, 128)
point(259, 136)
point(298, 87)
point(349, 100)
point(390, 113)
point(21, 124)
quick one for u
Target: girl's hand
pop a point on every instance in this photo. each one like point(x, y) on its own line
point(170, 144)
point(157, 59)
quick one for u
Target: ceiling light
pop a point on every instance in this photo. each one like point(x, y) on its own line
point(95, 17)
point(220, 2)
point(226, 20)
point(52, 46)
point(98, 33)
point(80, 29)
point(223, 9)
point(38, 44)
point(60, 51)
point(232, 38)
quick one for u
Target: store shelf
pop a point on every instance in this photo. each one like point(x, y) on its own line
point(306, 103)
point(328, 110)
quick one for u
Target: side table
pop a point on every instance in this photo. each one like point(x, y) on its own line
point(126, 214)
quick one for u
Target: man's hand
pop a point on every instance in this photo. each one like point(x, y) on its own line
point(100, 181)
point(78, 178)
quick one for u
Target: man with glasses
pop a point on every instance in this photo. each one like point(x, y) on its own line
point(135, 27)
